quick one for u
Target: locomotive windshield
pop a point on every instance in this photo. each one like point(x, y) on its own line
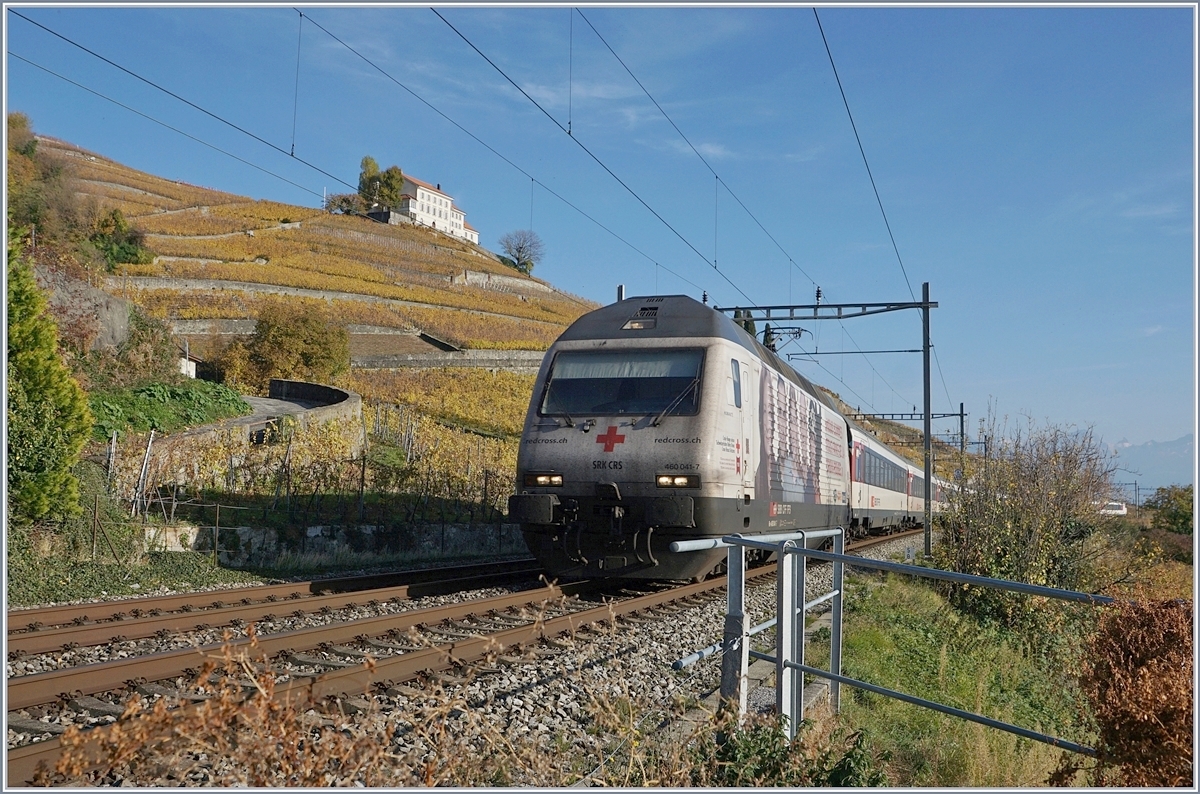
point(624, 382)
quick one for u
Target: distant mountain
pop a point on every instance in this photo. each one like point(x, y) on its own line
point(1156, 463)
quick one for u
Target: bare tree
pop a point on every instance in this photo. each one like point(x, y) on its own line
point(523, 249)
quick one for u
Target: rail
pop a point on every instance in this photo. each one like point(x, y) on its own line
point(789, 658)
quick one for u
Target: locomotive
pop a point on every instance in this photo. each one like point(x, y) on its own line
point(659, 419)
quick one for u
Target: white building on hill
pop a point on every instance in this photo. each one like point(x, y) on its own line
point(426, 205)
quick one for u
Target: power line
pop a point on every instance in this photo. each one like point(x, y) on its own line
point(854, 342)
point(863, 152)
point(181, 99)
point(693, 148)
point(296, 97)
point(721, 182)
point(940, 375)
point(491, 149)
point(598, 161)
point(161, 123)
point(871, 176)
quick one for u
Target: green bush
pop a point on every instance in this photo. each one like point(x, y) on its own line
point(164, 407)
point(1172, 508)
point(48, 417)
point(118, 242)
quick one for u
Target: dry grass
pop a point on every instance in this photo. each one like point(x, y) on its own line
point(436, 736)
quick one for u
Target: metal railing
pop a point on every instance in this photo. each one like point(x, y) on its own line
point(789, 658)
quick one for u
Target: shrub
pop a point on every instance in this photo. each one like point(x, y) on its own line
point(1172, 508)
point(256, 737)
point(48, 417)
point(148, 355)
point(1138, 677)
point(291, 342)
point(117, 241)
point(1024, 515)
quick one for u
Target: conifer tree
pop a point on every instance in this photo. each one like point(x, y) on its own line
point(48, 416)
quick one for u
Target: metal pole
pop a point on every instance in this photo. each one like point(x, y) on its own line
point(736, 659)
point(928, 423)
point(95, 524)
point(835, 635)
point(789, 681)
point(962, 432)
point(216, 536)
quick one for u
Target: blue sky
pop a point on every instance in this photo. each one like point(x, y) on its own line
point(1036, 165)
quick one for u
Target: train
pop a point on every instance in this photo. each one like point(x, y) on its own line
point(660, 419)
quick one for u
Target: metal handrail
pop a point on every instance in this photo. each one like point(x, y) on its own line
point(789, 651)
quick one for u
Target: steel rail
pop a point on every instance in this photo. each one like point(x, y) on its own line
point(48, 640)
point(23, 762)
point(111, 610)
point(40, 688)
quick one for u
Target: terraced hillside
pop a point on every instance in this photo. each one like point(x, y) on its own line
point(401, 289)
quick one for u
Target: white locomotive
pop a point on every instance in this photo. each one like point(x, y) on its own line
point(658, 419)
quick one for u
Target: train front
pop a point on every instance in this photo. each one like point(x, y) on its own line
point(614, 462)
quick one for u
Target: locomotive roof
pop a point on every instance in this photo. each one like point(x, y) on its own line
point(678, 316)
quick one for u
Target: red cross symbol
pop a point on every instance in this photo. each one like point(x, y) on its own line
point(610, 439)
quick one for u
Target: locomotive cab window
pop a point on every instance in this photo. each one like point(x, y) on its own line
point(737, 383)
point(623, 382)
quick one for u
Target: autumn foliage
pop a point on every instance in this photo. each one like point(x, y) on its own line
point(1138, 677)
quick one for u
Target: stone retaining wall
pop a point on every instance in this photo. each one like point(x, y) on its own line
point(251, 546)
point(521, 361)
point(335, 403)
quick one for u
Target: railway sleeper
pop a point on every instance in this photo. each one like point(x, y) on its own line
point(25, 725)
point(403, 690)
point(509, 620)
point(316, 661)
point(346, 705)
point(96, 707)
point(450, 634)
point(149, 690)
point(350, 653)
point(390, 646)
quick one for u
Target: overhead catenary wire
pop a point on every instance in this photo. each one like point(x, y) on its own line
point(492, 149)
point(692, 146)
point(163, 124)
point(720, 183)
point(589, 152)
point(863, 152)
point(296, 96)
point(867, 165)
point(187, 102)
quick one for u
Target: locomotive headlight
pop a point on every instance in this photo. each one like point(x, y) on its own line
point(677, 481)
point(543, 480)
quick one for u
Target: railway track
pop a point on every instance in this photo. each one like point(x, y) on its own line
point(21, 620)
point(326, 661)
point(175, 614)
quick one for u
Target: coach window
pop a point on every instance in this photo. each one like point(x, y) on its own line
point(737, 383)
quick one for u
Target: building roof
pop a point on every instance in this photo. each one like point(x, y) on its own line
point(426, 185)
